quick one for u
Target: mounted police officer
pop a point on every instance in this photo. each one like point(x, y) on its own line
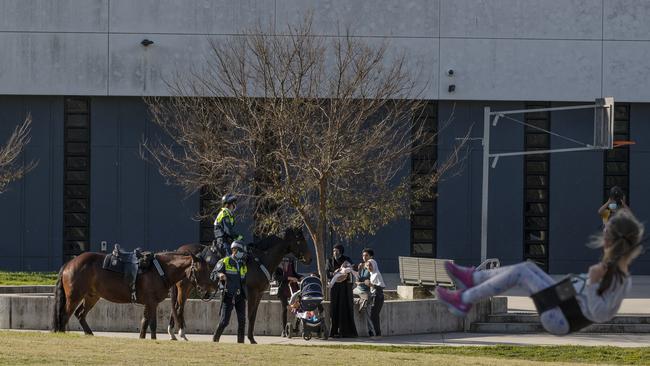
point(224, 224)
point(232, 270)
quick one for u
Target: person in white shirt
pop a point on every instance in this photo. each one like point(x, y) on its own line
point(377, 285)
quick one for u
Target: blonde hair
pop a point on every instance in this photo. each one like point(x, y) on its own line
point(624, 233)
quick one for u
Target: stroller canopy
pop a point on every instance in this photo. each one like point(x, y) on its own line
point(311, 288)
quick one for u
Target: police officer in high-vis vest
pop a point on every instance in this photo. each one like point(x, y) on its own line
point(232, 270)
point(224, 224)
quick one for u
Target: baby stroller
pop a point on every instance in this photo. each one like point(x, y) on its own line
point(306, 306)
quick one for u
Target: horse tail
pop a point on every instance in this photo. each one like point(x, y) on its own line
point(59, 313)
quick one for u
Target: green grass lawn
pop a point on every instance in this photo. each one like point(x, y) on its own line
point(567, 354)
point(54, 349)
point(27, 278)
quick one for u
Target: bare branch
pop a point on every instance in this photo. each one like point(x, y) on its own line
point(11, 167)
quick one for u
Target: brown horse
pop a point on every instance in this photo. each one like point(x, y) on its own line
point(269, 251)
point(82, 282)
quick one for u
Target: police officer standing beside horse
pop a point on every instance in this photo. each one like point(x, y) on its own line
point(232, 270)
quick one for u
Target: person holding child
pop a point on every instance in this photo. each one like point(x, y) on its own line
point(341, 300)
point(374, 282)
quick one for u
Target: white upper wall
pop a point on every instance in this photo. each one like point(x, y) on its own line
point(573, 50)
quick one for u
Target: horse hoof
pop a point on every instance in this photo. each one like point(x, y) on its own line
point(173, 338)
point(181, 333)
point(253, 341)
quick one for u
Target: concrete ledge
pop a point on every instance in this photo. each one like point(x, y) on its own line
point(499, 305)
point(398, 317)
point(408, 292)
point(40, 289)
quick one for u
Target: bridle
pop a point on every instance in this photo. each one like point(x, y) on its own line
point(195, 283)
point(193, 279)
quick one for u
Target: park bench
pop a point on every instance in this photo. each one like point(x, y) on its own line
point(427, 272)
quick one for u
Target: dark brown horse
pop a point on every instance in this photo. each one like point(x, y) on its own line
point(82, 282)
point(269, 251)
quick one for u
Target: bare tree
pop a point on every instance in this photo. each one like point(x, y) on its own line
point(11, 168)
point(313, 131)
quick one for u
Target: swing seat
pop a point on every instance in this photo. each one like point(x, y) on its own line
point(562, 295)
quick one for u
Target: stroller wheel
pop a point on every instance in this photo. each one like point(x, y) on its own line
point(289, 331)
point(306, 335)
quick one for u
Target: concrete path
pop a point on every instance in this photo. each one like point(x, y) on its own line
point(443, 339)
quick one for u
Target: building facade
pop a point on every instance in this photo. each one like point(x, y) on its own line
point(80, 68)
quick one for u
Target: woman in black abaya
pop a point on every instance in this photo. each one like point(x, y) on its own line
point(341, 304)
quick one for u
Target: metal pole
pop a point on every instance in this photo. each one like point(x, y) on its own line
point(486, 181)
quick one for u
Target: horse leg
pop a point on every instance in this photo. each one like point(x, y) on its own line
point(153, 319)
point(144, 323)
point(72, 303)
point(182, 300)
point(81, 312)
point(174, 314)
point(253, 303)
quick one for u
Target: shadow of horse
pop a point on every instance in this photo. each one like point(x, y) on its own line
point(82, 282)
point(269, 251)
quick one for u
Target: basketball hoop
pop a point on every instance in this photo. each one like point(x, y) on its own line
point(620, 143)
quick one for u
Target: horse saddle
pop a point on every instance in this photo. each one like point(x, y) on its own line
point(128, 263)
point(133, 262)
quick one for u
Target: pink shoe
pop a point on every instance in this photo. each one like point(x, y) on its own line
point(453, 300)
point(462, 276)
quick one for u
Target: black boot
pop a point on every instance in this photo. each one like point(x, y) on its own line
point(217, 334)
point(240, 335)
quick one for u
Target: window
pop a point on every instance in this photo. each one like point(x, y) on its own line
point(536, 186)
point(76, 191)
point(617, 161)
point(423, 214)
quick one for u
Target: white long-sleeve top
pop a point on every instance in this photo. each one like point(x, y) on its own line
point(597, 308)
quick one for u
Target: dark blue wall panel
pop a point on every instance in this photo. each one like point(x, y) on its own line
point(32, 209)
point(133, 205)
point(130, 202)
point(459, 196)
point(576, 186)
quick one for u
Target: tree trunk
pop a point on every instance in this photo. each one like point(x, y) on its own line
point(322, 235)
point(322, 265)
point(319, 236)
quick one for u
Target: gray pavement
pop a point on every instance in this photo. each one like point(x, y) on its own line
point(437, 339)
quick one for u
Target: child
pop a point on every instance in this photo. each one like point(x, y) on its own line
point(345, 269)
point(599, 298)
point(615, 202)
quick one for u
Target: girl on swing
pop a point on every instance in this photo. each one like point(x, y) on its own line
point(563, 306)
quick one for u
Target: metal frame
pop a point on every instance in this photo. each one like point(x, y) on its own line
point(487, 120)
